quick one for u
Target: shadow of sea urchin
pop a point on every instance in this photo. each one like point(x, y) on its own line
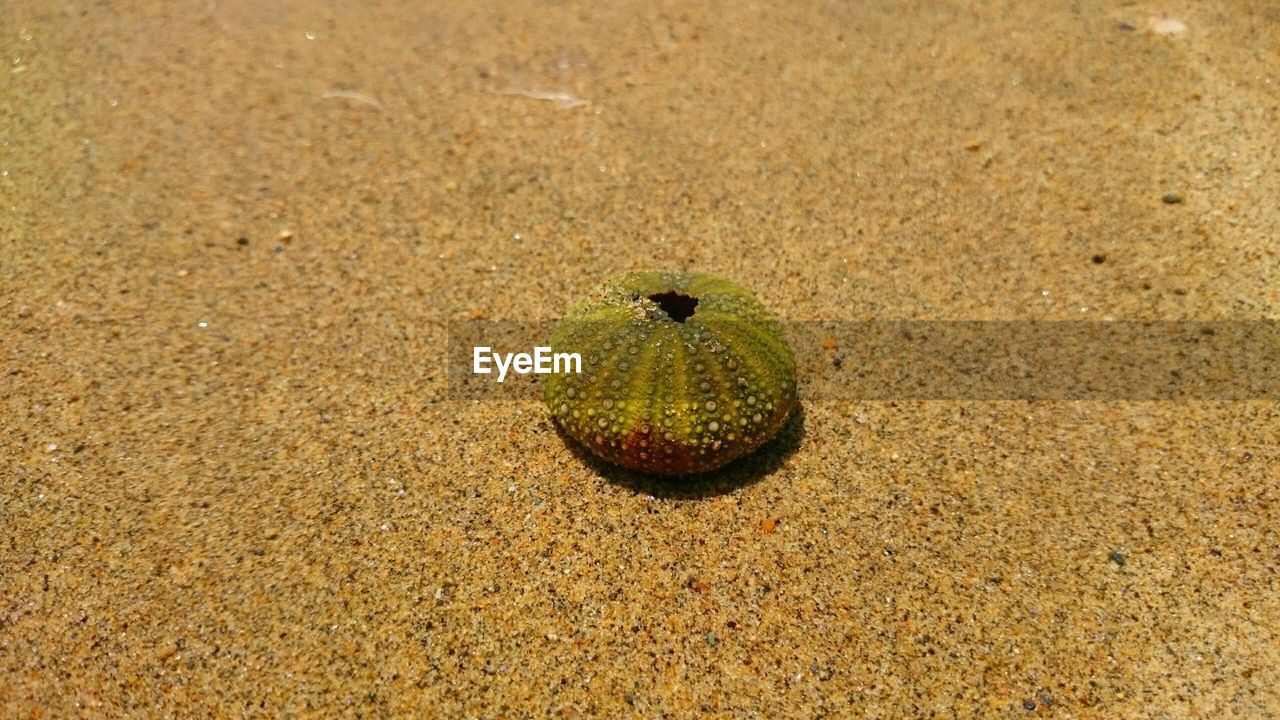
point(681, 373)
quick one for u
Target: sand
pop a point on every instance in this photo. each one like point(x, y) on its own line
point(236, 482)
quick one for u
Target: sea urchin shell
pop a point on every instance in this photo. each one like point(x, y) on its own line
point(681, 373)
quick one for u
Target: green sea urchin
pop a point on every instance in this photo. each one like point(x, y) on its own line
point(681, 373)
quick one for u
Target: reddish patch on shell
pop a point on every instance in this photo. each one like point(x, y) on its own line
point(644, 449)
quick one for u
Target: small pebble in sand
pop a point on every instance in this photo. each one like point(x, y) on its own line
point(1117, 557)
point(1165, 25)
point(1171, 198)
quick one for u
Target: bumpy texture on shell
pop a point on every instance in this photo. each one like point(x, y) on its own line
point(672, 396)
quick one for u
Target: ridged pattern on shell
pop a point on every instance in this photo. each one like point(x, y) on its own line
point(671, 397)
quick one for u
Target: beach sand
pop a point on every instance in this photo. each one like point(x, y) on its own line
point(236, 482)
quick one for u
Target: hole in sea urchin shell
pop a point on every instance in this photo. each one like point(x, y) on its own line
point(678, 307)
